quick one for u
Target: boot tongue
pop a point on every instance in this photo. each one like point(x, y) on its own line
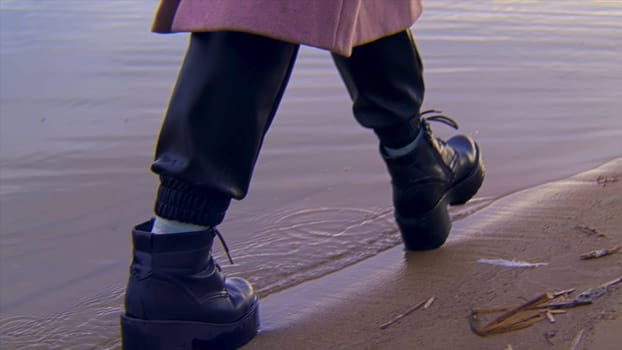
point(176, 253)
point(148, 242)
point(187, 251)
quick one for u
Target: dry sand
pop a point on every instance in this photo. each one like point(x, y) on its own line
point(544, 224)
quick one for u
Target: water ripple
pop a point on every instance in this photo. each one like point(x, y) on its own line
point(92, 323)
point(297, 246)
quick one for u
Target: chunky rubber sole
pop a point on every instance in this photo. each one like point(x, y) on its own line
point(137, 334)
point(431, 229)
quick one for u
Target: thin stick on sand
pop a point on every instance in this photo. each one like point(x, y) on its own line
point(536, 309)
point(540, 299)
point(429, 303)
point(577, 340)
point(599, 253)
point(406, 313)
point(515, 318)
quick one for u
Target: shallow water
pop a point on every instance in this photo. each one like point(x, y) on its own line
point(84, 85)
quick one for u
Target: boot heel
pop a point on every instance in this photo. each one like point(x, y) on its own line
point(467, 188)
point(140, 334)
point(428, 231)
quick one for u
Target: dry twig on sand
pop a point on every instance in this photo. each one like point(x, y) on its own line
point(604, 180)
point(577, 340)
point(599, 253)
point(429, 303)
point(541, 307)
point(515, 318)
point(425, 304)
point(590, 231)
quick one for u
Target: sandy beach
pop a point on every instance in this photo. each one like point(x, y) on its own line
point(551, 224)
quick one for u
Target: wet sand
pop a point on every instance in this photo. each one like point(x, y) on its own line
point(544, 224)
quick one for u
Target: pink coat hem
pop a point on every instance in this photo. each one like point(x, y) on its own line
point(334, 25)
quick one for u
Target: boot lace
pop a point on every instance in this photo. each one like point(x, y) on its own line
point(223, 244)
point(437, 117)
point(433, 115)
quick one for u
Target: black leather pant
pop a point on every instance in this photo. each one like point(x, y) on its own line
point(227, 93)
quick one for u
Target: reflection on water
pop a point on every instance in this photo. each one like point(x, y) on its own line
point(82, 93)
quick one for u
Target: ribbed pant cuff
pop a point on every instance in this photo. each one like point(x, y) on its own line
point(181, 201)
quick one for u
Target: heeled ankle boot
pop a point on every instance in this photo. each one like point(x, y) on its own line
point(432, 176)
point(178, 298)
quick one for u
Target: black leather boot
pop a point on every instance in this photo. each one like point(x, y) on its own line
point(178, 298)
point(432, 176)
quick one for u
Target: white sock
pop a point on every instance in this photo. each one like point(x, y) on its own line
point(162, 225)
point(398, 152)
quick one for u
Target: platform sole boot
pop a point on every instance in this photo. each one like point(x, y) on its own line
point(178, 298)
